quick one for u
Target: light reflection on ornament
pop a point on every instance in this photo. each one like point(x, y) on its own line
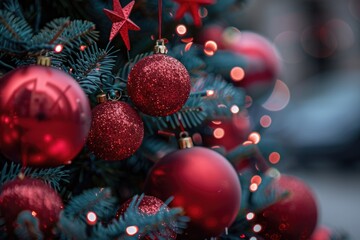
point(181, 30)
point(279, 98)
point(234, 109)
point(188, 46)
point(91, 218)
point(219, 133)
point(58, 48)
point(132, 230)
point(274, 157)
point(265, 121)
point(237, 74)
point(254, 137)
point(253, 187)
point(216, 122)
point(257, 228)
point(250, 216)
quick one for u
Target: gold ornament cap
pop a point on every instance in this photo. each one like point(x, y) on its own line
point(160, 47)
point(185, 141)
point(101, 97)
point(43, 61)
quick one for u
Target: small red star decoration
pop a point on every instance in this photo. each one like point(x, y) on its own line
point(121, 22)
point(191, 6)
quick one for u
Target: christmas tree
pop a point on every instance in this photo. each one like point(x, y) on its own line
point(130, 120)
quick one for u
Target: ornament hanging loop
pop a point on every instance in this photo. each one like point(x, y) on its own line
point(185, 141)
point(160, 46)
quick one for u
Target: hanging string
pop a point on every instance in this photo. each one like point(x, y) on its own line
point(160, 17)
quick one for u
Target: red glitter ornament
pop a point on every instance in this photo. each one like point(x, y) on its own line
point(150, 205)
point(44, 116)
point(33, 195)
point(263, 63)
point(191, 6)
point(121, 22)
point(116, 131)
point(228, 132)
point(203, 183)
point(293, 217)
point(159, 85)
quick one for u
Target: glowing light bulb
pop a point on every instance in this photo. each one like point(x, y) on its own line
point(237, 74)
point(250, 216)
point(91, 218)
point(234, 109)
point(132, 230)
point(181, 30)
point(58, 48)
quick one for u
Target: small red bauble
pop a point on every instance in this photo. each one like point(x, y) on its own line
point(159, 85)
point(263, 63)
point(45, 116)
point(294, 217)
point(228, 132)
point(33, 195)
point(116, 131)
point(203, 183)
point(149, 205)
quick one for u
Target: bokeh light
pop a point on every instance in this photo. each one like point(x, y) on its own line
point(254, 137)
point(181, 30)
point(279, 98)
point(257, 228)
point(265, 121)
point(274, 157)
point(219, 133)
point(210, 47)
point(237, 74)
point(250, 216)
point(256, 179)
point(253, 187)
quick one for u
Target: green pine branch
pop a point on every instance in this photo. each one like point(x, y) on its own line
point(52, 176)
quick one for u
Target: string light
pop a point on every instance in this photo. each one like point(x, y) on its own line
point(132, 230)
point(250, 216)
point(58, 48)
point(91, 218)
point(181, 30)
point(234, 109)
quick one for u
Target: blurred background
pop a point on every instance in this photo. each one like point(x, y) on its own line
point(316, 114)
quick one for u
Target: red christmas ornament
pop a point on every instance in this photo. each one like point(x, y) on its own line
point(294, 217)
point(228, 132)
point(159, 85)
point(44, 116)
point(150, 205)
point(203, 183)
point(263, 62)
point(121, 22)
point(35, 196)
point(116, 131)
point(191, 6)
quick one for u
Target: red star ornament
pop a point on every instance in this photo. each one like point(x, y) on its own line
point(121, 22)
point(191, 6)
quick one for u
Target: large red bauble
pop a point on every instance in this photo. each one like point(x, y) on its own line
point(116, 131)
point(294, 217)
point(203, 183)
point(263, 62)
point(150, 205)
point(228, 132)
point(33, 195)
point(159, 85)
point(45, 116)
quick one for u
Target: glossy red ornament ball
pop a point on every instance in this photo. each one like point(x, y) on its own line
point(33, 195)
point(203, 183)
point(150, 205)
point(227, 132)
point(45, 116)
point(294, 217)
point(159, 85)
point(263, 63)
point(116, 131)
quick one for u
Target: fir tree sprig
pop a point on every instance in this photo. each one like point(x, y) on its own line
point(55, 177)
